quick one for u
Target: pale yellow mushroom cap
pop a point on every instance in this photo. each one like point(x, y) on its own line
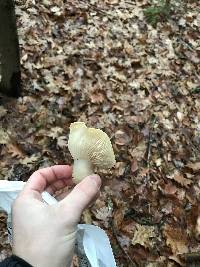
point(90, 144)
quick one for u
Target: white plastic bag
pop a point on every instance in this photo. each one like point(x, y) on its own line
point(94, 240)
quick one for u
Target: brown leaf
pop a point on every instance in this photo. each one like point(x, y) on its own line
point(4, 137)
point(121, 138)
point(128, 48)
point(197, 230)
point(117, 107)
point(194, 166)
point(170, 189)
point(55, 132)
point(120, 167)
point(87, 216)
point(29, 160)
point(192, 56)
point(133, 120)
point(3, 112)
point(22, 108)
point(176, 239)
point(179, 178)
point(176, 259)
point(103, 214)
point(139, 151)
point(62, 141)
point(167, 208)
point(15, 150)
point(143, 235)
point(134, 166)
point(118, 218)
point(97, 98)
point(75, 261)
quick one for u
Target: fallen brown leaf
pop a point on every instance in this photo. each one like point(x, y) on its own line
point(180, 179)
point(143, 235)
point(118, 218)
point(176, 239)
point(194, 166)
point(97, 98)
point(122, 138)
point(15, 150)
point(134, 165)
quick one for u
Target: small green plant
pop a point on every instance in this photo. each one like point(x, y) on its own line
point(196, 90)
point(159, 12)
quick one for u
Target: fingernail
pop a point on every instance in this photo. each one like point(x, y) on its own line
point(96, 179)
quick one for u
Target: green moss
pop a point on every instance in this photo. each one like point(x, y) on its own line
point(157, 13)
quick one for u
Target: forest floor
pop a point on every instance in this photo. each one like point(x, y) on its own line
point(101, 62)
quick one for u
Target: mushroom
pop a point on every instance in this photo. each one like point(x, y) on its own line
point(89, 147)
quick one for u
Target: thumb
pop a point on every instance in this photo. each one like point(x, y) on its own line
point(82, 195)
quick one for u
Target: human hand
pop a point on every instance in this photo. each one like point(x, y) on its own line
point(44, 235)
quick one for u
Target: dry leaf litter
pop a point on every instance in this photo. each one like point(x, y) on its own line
point(100, 62)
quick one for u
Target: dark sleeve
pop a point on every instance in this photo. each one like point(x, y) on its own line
point(14, 261)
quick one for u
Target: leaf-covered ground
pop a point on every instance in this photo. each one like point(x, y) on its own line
point(100, 62)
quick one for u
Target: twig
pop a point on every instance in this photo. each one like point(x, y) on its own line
point(149, 145)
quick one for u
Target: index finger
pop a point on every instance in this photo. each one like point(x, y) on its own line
point(42, 178)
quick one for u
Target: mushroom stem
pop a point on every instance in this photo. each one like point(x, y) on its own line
point(81, 169)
